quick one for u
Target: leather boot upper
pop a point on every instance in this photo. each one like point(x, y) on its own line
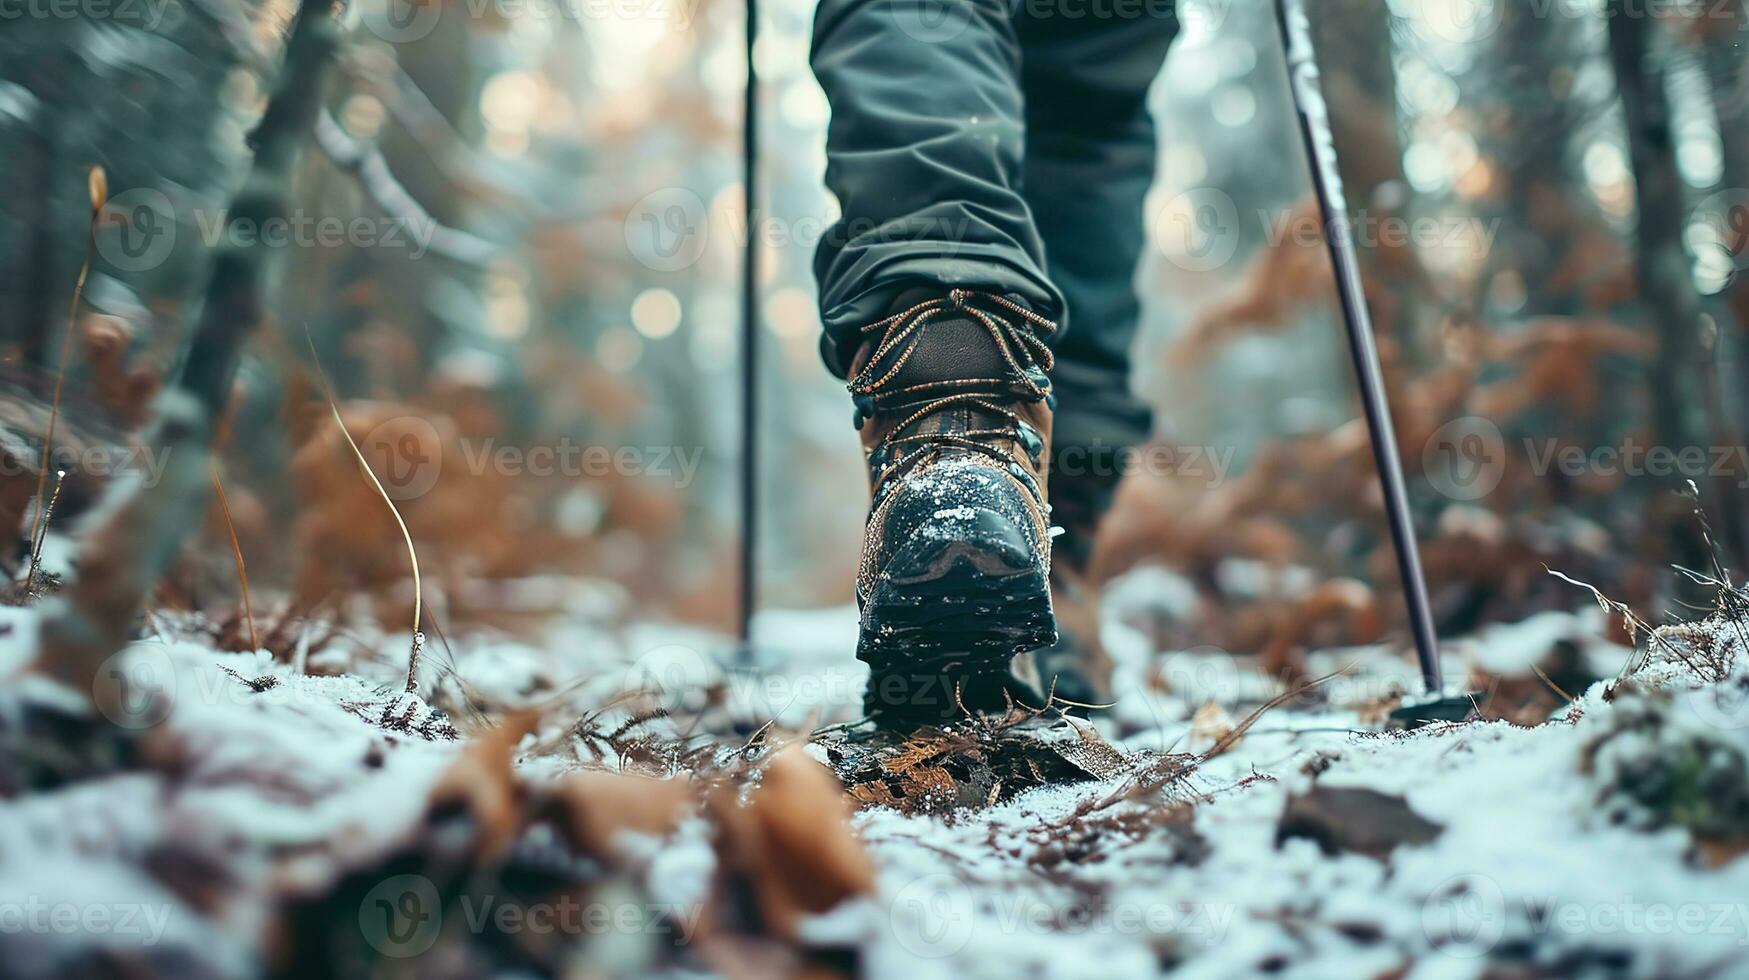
point(953, 404)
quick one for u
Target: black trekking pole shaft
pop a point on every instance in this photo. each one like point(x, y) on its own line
point(1320, 145)
point(749, 495)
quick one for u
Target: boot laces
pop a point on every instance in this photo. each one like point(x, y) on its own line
point(1019, 337)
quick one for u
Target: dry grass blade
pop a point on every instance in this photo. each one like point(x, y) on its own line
point(406, 535)
point(1546, 679)
point(98, 185)
point(1227, 741)
point(1636, 626)
point(1177, 767)
point(237, 555)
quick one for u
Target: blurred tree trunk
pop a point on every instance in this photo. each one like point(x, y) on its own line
point(134, 537)
point(145, 98)
point(1547, 217)
point(1725, 41)
point(27, 309)
point(1662, 264)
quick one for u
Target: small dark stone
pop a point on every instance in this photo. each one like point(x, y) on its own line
point(1361, 821)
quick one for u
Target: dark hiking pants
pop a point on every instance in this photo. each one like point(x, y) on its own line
point(1002, 145)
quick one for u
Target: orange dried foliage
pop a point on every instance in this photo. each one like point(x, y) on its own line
point(1280, 281)
point(482, 783)
point(1559, 365)
point(789, 846)
point(125, 389)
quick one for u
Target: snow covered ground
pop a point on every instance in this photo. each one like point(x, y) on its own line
point(1608, 841)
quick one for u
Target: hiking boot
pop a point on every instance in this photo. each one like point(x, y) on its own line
point(954, 406)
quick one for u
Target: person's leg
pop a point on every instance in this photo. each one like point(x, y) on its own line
point(937, 309)
point(1090, 152)
point(924, 153)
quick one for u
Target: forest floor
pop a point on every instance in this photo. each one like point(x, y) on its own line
point(607, 799)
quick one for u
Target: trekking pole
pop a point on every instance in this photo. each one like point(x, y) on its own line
point(749, 483)
point(1320, 144)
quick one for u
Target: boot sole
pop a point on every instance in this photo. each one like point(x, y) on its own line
point(958, 606)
